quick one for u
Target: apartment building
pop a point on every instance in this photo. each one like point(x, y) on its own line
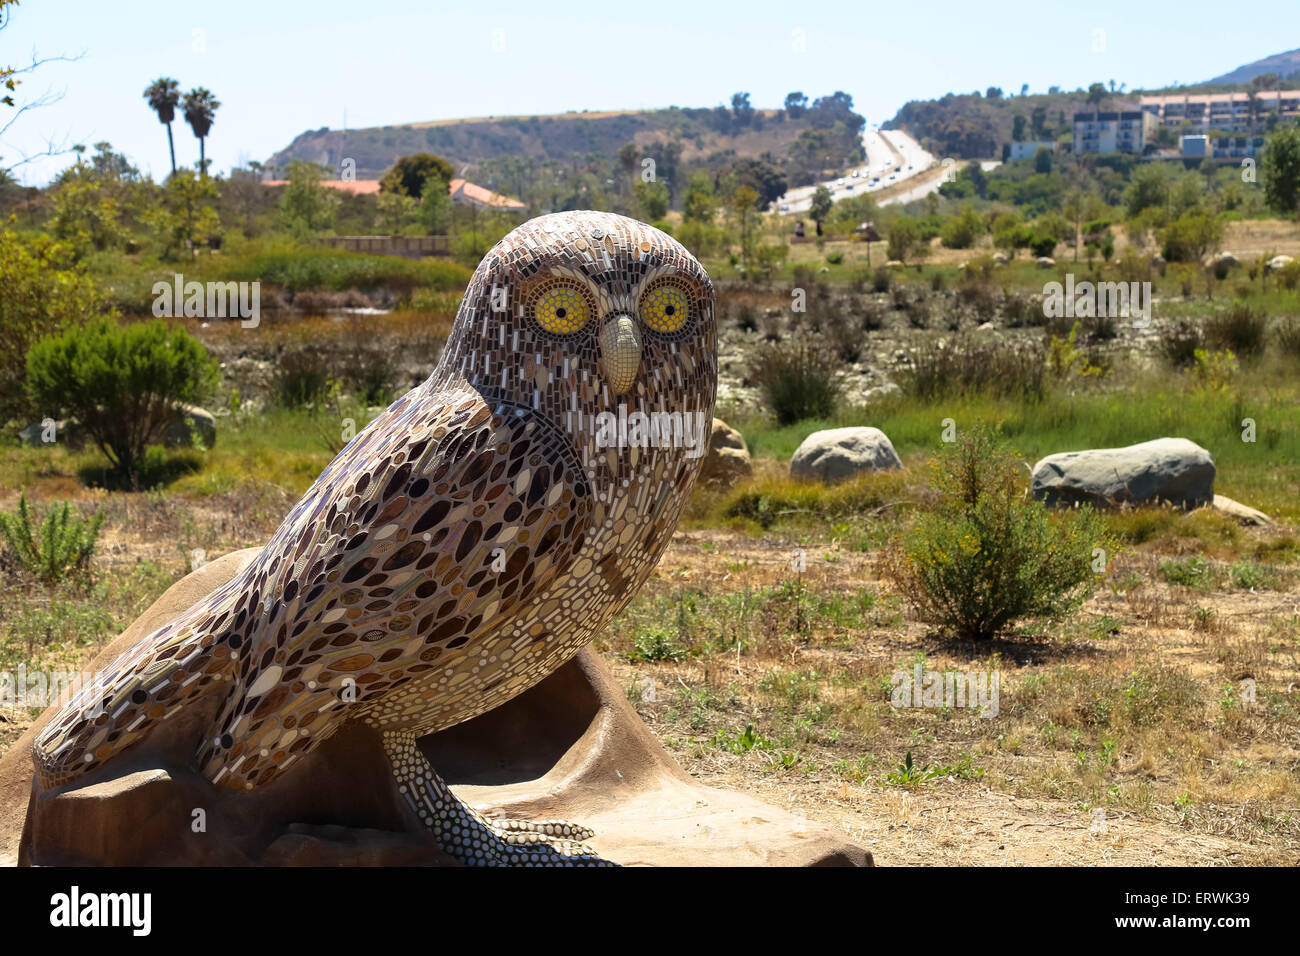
point(1119, 131)
point(1222, 112)
point(1027, 150)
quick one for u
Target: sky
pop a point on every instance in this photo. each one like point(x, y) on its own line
point(280, 67)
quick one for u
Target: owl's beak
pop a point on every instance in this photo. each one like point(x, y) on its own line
point(620, 352)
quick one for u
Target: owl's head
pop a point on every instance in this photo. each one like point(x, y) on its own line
point(576, 314)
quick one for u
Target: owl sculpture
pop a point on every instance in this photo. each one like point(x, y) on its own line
point(462, 547)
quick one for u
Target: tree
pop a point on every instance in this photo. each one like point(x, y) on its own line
point(1024, 89)
point(120, 382)
point(1043, 160)
point(1018, 128)
point(200, 107)
point(820, 206)
point(762, 176)
point(409, 174)
point(1280, 165)
point(1149, 188)
point(1191, 236)
point(306, 205)
point(651, 200)
point(163, 94)
point(796, 104)
point(904, 237)
point(699, 201)
point(41, 291)
point(186, 218)
point(741, 203)
point(993, 93)
point(741, 110)
point(435, 205)
point(1096, 93)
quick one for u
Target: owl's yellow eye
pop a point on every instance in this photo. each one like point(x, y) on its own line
point(665, 308)
point(562, 310)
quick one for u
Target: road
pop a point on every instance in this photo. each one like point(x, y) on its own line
point(890, 153)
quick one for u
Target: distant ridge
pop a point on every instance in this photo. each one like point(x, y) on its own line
point(1283, 64)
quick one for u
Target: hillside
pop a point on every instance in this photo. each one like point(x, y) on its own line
point(1285, 65)
point(703, 133)
point(975, 126)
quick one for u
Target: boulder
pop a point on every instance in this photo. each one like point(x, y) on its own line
point(1045, 262)
point(1278, 262)
point(1172, 470)
point(1225, 259)
point(190, 422)
point(1000, 258)
point(839, 453)
point(727, 460)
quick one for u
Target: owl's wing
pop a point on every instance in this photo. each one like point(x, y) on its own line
point(436, 528)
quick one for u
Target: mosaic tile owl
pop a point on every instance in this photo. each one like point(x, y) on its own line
point(469, 541)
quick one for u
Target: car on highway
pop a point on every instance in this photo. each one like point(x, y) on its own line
point(839, 182)
point(855, 174)
point(849, 186)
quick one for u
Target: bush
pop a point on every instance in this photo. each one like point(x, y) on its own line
point(119, 382)
point(797, 382)
point(989, 555)
point(1287, 334)
point(997, 369)
point(63, 544)
point(1241, 329)
point(302, 375)
point(1180, 342)
point(835, 257)
point(881, 279)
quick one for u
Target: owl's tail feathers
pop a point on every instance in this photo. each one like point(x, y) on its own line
point(117, 707)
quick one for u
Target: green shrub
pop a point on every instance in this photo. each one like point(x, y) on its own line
point(835, 257)
point(989, 555)
point(62, 545)
point(1287, 334)
point(797, 381)
point(119, 382)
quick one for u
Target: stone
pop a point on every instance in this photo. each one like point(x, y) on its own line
point(572, 747)
point(1225, 259)
point(1278, 262)
point(1170, 470)
point(727, 461)
point(1045, 262)
point(1000, 258)
point(189, 425)
point(839, 453)
point(1243, 513)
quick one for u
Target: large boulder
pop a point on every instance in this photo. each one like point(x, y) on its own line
point(1172, 470)
point(727, 460)
point(1278, 262)
point(839, 453)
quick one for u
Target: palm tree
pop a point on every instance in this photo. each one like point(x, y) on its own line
point(199, 106)
point(163, 95)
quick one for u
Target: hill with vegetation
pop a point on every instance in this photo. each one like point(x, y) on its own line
point(802, 138)
point(977, 125)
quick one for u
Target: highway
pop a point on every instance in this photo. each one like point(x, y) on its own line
point(890, 153)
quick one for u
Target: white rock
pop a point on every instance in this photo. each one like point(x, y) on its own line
point(1172, 470)
point(839, 453)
